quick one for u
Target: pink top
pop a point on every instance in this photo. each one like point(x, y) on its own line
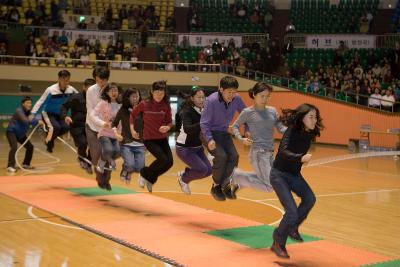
point(105, 112)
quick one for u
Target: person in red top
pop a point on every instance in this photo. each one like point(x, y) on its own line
point(157, 121)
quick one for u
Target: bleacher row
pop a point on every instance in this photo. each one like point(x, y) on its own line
point(163, 9)
point(319, 16)
point(218, 18)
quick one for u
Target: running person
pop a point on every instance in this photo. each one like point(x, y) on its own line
point(77, 104)
point(157, 121)
point(101, 74)
point(49, 104)
point(304, 125)
point(218, 113)
point(132, 149)
point(189, 146)
point(261, 120)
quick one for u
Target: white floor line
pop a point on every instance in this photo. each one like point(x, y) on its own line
point(30, 212)
point(242, 198)
point(344, 194)
point(362, 171)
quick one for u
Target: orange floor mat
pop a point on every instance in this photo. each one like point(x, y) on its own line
point(165, 228)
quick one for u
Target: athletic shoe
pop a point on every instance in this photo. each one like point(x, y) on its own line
point(295, 235)
point(11, 169)
point(100, 166)
point(108, 186)
point(124, 176)
point(142, 182)
point(184, 186)
point(86, 166)
point(280, 250)
point(113, 166)
point(27, 167)
point(217, 193)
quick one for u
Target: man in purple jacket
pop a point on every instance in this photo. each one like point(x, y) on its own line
point(218, 113)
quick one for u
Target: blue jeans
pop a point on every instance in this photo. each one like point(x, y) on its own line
point(226, 157)
point(133, 158)
point(284, 183)
point(109, 149)
point(197, 162)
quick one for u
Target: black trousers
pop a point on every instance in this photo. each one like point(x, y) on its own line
point(162, 152)
point(59, 127)
point(13, 141)
point(80, 141)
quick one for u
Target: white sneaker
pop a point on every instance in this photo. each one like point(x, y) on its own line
point(184, 186)
point(149, 186)
point(141, 181)
point(11, 169)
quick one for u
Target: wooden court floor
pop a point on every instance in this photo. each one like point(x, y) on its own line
point(358, 204)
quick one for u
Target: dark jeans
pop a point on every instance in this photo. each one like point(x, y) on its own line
point(95, 152)
point(284, 183)
point(80, 141)
point(109, 148)
point(162, 152)
point(197, 162)
point(13, 141)
point(59, 126)
point(226, 157)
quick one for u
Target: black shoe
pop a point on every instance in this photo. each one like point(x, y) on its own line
point(295, 235)
point(101, 185)
point(217, 193)
point(279, 250)
point(108, 186)
point(49, 148)
point(230, 192)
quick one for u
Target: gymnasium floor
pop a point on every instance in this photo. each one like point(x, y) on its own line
point(358, 206)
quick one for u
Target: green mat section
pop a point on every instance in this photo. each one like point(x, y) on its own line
point(95, 191)
point(259, 236)
point(395, 263)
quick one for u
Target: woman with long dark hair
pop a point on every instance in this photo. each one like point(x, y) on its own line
point(132, 149)
point(157, 121)
point(188, 144)
point(304, 125)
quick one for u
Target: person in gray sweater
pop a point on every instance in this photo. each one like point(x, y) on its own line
point(261, 120)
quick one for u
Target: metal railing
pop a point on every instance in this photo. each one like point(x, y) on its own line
point(113, 64)
point(285, 82)
point(132, 36)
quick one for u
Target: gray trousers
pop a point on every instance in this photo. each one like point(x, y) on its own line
point(261, 160)
point(95, 153)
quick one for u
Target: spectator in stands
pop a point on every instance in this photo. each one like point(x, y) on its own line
point(185, 43)
point(60, 58)
point(62, 40)
point(82, 24)
point(255, 18)
point(109, 13)
point(170, 23)
point(375, 99)
point(29, 13)
point(290, 28)
point(54, 11)
point(80, 42)
point(123, 13)
point(267, 21)
point(92, 25)
point(242, 12)
point(387, 100)
point(71, 23)
point(14, 15)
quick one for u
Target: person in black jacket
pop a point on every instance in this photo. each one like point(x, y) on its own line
point(77, 104)
point(132, 150)
point(304, 125)
point(188, 144)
